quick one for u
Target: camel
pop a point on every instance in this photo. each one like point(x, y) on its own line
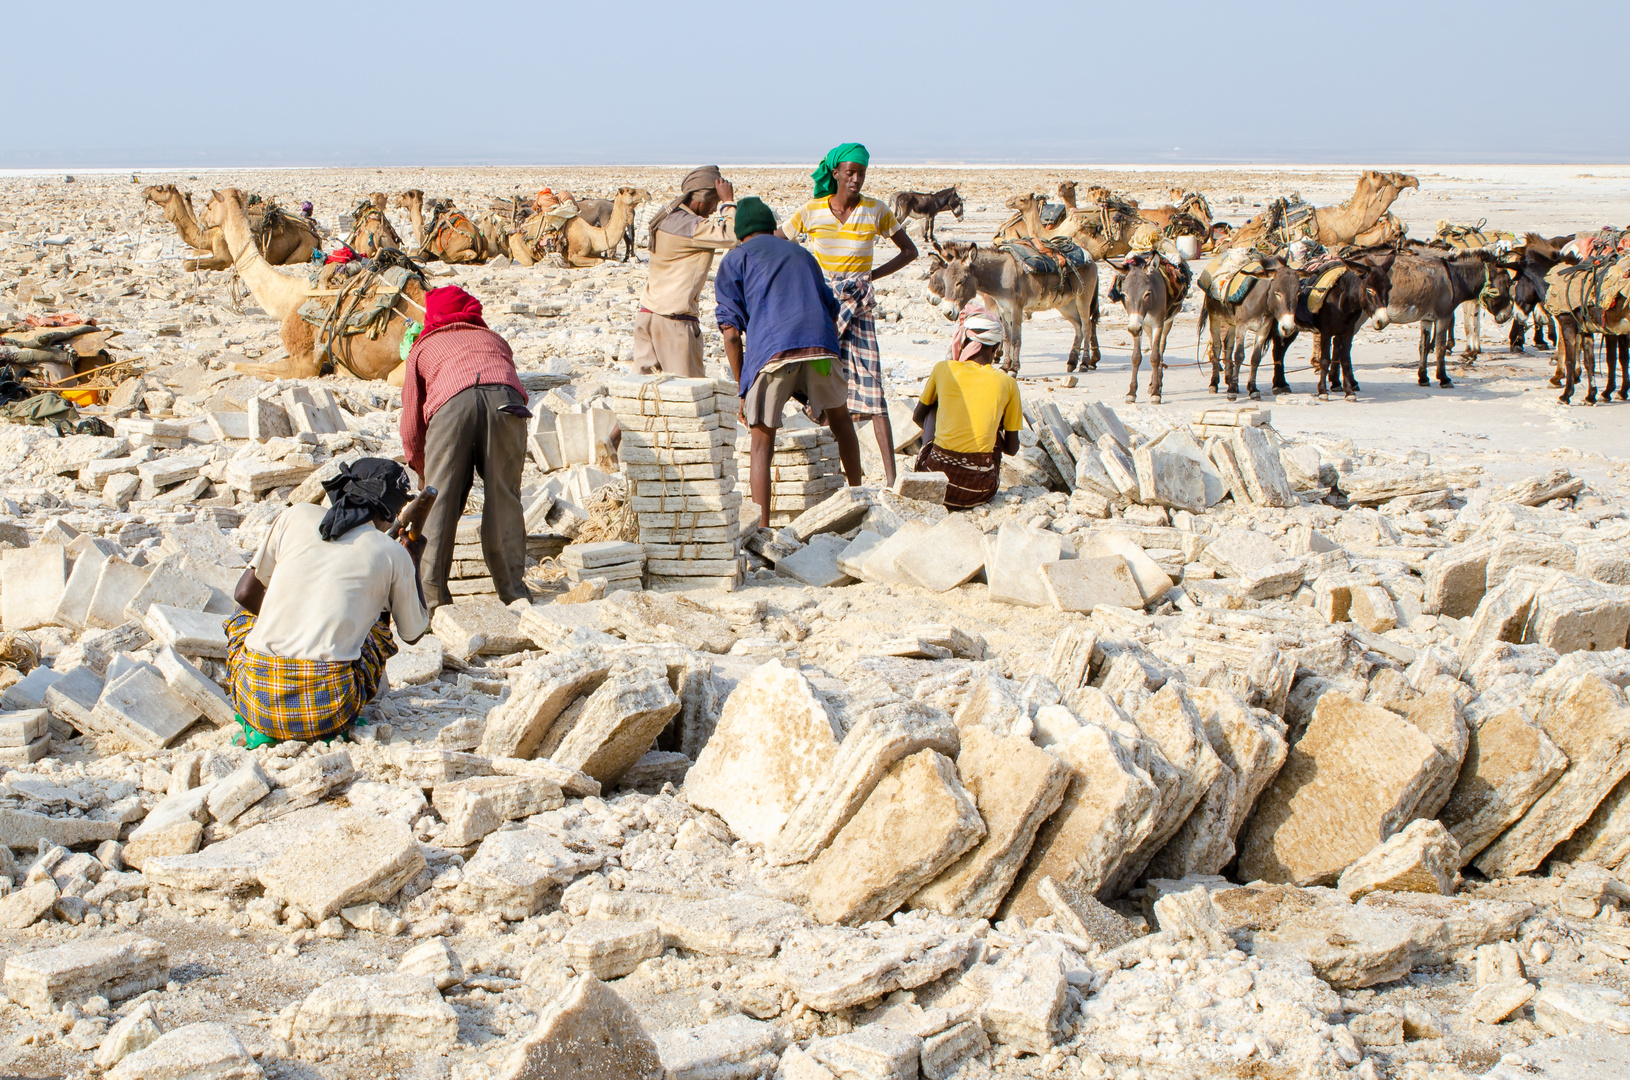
point(412, 200)
point(177, 209)
point(597, 212)
point(958, 271)
point(452, 236)
point(281, 295)
point(1188, 215)
point(1062, 225)
point(373, 231)
point(281, 238)
point(1429, 289)
point(1270, 298)
point(1151, 305)
point(1104, 227)
point(1361, 221)
point(499, 223)
point(584, 244)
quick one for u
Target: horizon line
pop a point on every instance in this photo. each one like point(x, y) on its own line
point(1241, 165)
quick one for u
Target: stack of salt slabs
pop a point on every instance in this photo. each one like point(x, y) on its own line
point(621, 563)
point(803, 472)
point(469, 576)
point(676, 450)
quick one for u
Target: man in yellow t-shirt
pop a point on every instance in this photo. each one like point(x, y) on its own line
point(969, 412)
point(843, 226)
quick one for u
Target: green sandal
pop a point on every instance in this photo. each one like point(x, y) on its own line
point(253, 738)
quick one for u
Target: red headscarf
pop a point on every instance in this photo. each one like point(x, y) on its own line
point(450, 304)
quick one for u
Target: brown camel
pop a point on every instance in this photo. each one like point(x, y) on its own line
point(452, 237)
point(1361, 221)
point(1104, 227)
point(281, 296)
point(597, 212)
point(1187, 215)
point(177, 208)
point(583, 244)
point(412, 200)
point(283, 239)
point(373, 231)
point(1012, 228)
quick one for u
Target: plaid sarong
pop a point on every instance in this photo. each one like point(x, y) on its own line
point(302, 699)
point(972, 478)
point(858, 356)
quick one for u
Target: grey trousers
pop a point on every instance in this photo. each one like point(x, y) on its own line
point(469, 435)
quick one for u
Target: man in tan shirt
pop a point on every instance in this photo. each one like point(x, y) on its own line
point(684, 236)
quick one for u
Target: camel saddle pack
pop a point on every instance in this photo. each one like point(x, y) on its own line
point(1603, 243)
point(545, 230)
point(1058, 255)
point(1052, 213)
point(1474, 236)
point(1291, 219)
point(445, 216)
point(264, 219)
point(366, 211)
point(1587, 290)
point(1117, 215)
point(1184, 223)
point(363, 305)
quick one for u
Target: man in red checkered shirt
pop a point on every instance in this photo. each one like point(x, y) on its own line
point(464, 412)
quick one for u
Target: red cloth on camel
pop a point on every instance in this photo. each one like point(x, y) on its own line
point(341, 255)
point(451, 304)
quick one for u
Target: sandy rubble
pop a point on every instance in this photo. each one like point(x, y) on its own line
point(1371, 587)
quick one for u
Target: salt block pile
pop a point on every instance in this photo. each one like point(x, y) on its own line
point(469, 576)
point(676, 452)
point(804, 469)
point(564, 431)
point(618, 563)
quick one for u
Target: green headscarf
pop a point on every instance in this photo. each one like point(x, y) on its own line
point(849, 151)
point(753, 216)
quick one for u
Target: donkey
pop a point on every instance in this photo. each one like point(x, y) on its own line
point(1427, 289)
point(1150, 306)
point(960, 270)
point(1271, 298)
point(1576, 329)
point(1576, 348)
point(911, 204)
point(1356, 295)
point(1536, 258)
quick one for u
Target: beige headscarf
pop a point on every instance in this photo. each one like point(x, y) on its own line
point(705, 178)
point(976, 329)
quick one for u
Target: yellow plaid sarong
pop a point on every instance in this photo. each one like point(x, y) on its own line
point(302, 699)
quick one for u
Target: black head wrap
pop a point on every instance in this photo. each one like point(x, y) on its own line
point(366, 489)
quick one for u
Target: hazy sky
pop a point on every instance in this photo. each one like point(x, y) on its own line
point(346, 82)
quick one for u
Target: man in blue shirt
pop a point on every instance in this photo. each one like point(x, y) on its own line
point(776, 313)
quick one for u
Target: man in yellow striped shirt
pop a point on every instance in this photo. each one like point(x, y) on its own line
point(843, 226)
